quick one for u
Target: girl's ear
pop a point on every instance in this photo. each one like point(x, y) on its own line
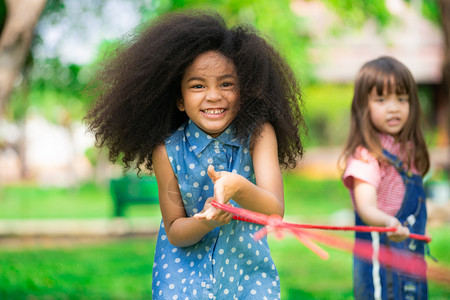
point(180, 104)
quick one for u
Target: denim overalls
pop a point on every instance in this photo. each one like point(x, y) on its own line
point(372, 280)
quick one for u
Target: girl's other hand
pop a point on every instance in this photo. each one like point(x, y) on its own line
point(401, 234)
point(215, 216)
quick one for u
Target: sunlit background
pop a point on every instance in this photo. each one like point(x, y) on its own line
point(57, 190)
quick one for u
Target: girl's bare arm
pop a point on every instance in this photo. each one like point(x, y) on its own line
point(267, 196)
point(181, 230)
point(366, 204)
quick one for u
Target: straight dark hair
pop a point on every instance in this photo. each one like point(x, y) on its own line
point(381, 73)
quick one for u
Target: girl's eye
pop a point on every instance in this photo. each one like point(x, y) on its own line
point(197, 86)
point(227, 84)
point(403, 99)
point(380, 99)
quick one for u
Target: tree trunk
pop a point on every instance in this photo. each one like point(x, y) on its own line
point(15, 40)
point(443, 102)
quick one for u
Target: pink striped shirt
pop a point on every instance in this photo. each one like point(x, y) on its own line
point(385, 178)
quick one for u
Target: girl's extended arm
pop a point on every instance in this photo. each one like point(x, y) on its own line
point(267, 195)
point(181, 230)
point(366, 203)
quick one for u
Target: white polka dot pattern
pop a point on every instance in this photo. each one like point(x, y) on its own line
point(226, 263)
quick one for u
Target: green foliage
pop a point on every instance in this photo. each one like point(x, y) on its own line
point(61, 107)
point(327, 113)
point(53, 7)
point(51, 74)
point(57, 91)
point(107, 49)
point(431, 10)
point(356, 13)
point(92, 154)
point(3, 13)
point(18, 105)
point(274, 19)
point(53, 91)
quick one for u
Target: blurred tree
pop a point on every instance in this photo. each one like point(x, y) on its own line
point(356, 13)
point(56, 85)
point(444, 101)
point(274, 19)
point(20, 18)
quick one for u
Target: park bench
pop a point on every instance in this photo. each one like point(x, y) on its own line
point(131, 189)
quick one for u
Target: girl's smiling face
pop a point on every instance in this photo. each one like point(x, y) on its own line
point(388, 112)
point(210, 92)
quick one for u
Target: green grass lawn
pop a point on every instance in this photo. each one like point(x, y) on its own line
point(110, 270)
point(313, 199)
point(86, 201)
point(121, 268)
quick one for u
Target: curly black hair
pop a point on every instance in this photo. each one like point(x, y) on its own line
point(137, 86)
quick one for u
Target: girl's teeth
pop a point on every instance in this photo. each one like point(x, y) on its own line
point(214, 111)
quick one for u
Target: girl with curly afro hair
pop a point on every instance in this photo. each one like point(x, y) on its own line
point(215, 114)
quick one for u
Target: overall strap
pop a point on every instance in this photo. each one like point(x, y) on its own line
point(397, 164)
point(413, 212)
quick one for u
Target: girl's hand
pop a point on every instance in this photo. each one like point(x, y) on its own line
point(215, 216)
point(402, 232)
point(226, 184)
point(225, 187)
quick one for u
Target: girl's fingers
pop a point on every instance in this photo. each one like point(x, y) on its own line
point(400, 234)
point(210, 213)
point(218, 192)
point(405, 231)
point(219, 179)
point(215, 215)
point(207, 214)
point(213, 174)
point(200, 215)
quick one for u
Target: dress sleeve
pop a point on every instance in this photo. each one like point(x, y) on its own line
point(363, 166)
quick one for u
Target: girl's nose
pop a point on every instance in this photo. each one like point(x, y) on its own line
point(393, 104)
point(213, 95)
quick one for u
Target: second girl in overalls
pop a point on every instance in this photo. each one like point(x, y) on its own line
point(385, 157)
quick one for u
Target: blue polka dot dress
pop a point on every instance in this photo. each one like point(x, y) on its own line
point(227, 263)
